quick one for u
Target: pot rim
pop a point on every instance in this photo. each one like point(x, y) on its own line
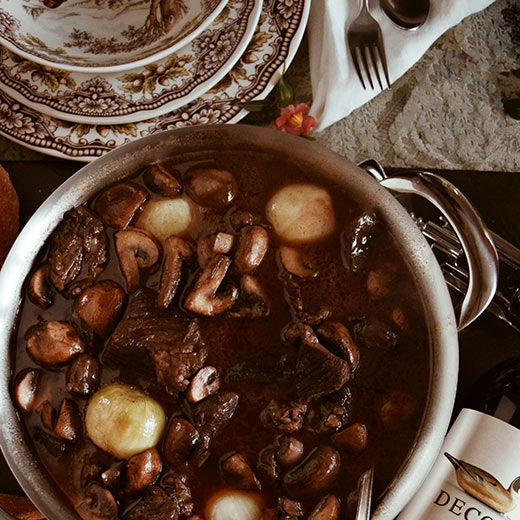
point(122, 161)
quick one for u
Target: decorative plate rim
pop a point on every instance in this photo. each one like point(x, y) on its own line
point(252, 8)
point(154, 56)
point(262, 86)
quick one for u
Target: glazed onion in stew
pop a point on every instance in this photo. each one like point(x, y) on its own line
point(221, 336)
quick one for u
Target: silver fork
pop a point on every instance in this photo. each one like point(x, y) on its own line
point(365, 39)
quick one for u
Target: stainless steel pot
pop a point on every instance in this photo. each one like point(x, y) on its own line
point(441, 320)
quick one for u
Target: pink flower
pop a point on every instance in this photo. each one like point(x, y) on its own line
point(295, 120)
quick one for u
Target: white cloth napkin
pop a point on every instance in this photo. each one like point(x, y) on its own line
point(336, 88)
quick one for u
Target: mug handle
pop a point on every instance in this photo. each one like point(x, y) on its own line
point(474, 236)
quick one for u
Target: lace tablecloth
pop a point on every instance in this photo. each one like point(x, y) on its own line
point(446, 112)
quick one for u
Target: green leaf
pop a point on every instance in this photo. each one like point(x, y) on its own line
point(512, 108)
point(285, 93)
point(256, 106)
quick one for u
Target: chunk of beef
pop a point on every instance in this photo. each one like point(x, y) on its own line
point(155, 505)
point(286, 417)
point(237, 473)
point(293, 296)
point(176, 486)
point(160, 340)
point(375, 333)
point(329, 413)
point(78, 247)
point(318, 372)
point(210, 417)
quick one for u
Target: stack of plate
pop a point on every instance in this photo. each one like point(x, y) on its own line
point(83, 78)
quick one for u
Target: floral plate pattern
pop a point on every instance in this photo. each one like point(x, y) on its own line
point(273, 46)
point(103, 35)
point(141, 93)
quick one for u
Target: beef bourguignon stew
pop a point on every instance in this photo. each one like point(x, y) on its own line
point(220, 336)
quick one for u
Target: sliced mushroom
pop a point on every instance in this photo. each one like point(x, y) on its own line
point(240, 218)
point(314, 475)
point(253, 301)
point(91, 469)
point(215, 243)
point(47, 414)
point(253, 243)
point(40, 289)
point(203, 297)
point(267, 466)
point(98, 504)
point(397, 408)
point(158, 179)
point(69, 424)
point(380, 279)
point(119, 203)
point(83, 375)
point(155, 505)
point(111, 477)
point(101, 306)
point(142, 470)
point(26, 387)
point(136, 249)
point(356, 242)
point(54, 446)
point(237, 473)
point(176, 251)
point(354, 438)
point(290, 507)
point(400, 318)
point(211, 187)
point(76, 288)
point(293, 261)
point(289, 451)
point(180, 440)
point(53, 343)
point(328, 508)
point(205, 382)
point(335, 335)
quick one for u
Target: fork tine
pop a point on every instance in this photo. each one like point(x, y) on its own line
point(374, 63)
point(353, 53)
point(382, 56)
point(365, 55)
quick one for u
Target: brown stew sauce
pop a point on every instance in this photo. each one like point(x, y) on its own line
point(386, 393)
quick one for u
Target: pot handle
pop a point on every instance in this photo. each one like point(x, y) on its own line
point(470, 229)
point(6, 516)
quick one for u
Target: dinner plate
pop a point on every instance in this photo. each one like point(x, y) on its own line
point(273, 46)
point(141, 93)
point(103, 35)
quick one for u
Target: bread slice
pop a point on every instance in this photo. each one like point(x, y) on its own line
point(9, 214)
